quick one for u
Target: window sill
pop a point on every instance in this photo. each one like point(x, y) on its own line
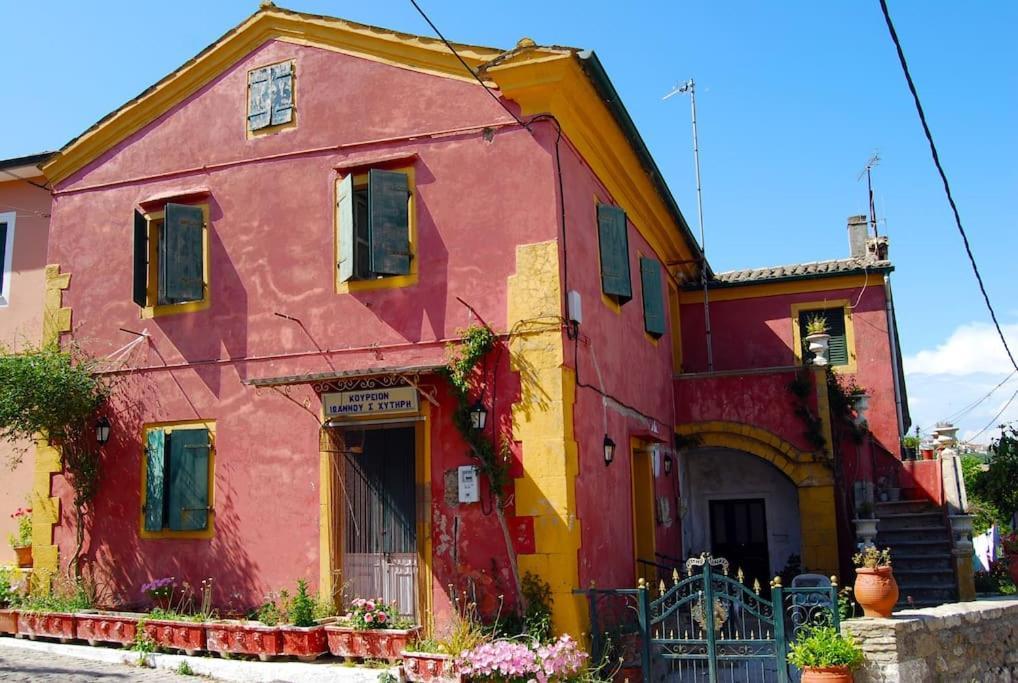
point(172, 309)
point(394, 282)
point(200, 535)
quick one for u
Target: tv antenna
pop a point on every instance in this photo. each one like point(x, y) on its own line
point(868, 172)
point(690, 87)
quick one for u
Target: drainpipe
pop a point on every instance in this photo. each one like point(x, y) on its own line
point(892, 325)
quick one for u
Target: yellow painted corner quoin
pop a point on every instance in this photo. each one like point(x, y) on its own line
point(543, 424)
point(46, 508)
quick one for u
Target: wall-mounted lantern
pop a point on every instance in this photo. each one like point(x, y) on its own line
point(609, 450)
point(102, 430)
point(668, 464)
point(478, 416)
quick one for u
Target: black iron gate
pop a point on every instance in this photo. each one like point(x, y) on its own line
point(708, 626)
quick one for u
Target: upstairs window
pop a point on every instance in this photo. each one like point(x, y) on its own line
point(176, 496)
point(613, 240)
point(270, 97)
point(374, 229)
point(838, 352)
point(6, 255)
point(171, 269)
point(653, 297)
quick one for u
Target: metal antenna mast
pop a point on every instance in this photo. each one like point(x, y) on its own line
point(690, 87)
point(874, 160)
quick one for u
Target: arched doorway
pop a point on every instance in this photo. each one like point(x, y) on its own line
point(742, 508)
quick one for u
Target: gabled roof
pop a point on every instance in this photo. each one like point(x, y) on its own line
point(23, 168)
point(562, 81)
point(798, 271)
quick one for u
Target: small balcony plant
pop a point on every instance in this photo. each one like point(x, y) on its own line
point(21, 541)
point(817, 339)
point(823, 654)
point(875, 588)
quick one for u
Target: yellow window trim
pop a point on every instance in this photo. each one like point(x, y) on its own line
point(844, 304)
point(154, 310)
point(169, 427)
point(391, 282)
point(271, 130)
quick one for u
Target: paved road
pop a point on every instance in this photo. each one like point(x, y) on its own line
point(28, 665)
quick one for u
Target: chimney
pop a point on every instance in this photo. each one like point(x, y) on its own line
point(858, 235)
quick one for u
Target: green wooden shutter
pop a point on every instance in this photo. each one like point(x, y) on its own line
point(653, 297)
point(282, 93)
point(345, 228)
point(614, 243)
point(181, 257)
point(389, 222)
point(189, 479)
point(155, 479)
point(259, 98)
point(140, 259)
point(838, 347)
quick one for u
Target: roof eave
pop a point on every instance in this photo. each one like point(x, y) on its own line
point(719, 284)
point(599, 79)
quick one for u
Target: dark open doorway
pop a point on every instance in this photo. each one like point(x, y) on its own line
point(738, 533)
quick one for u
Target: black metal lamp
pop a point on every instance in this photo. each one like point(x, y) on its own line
point(609, 450)
point(478, 416)
point(668, 464)
point(102, 430)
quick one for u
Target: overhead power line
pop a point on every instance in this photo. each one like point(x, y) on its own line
point(465, 65)
point(943, 178)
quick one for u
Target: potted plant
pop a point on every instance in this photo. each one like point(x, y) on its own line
point(107, 627)
point(22, 540)
point(824, 655)
point(875, 588)
point(910, 447)
point(302, 637)
point(372, 629)
point(817, 339)
point(8, 602)
point(509, 659)
point(928, 450)
point(1009, 544)
point(182, 625)
point(52, 614)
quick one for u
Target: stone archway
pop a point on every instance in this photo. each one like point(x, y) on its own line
point(813, 480)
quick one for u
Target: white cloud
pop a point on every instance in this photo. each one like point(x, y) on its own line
point(971, 348)
point(952, 381)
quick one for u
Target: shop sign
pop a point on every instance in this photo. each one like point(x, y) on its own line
point(373, 402)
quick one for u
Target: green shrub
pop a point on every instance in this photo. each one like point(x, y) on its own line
point(819, 646)
point(301, 611)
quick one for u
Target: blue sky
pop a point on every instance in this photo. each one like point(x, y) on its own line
point(793, 99)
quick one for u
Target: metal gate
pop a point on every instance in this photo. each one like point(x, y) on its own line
point(708, 626)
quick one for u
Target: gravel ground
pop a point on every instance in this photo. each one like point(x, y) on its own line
point(26, 665)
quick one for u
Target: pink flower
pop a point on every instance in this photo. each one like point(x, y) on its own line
point(381, 617)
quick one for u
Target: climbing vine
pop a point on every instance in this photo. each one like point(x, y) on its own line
point(55, 392)
point(465, 374)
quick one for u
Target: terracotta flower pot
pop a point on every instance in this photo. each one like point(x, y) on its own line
point(927, 453)
point(107, 627)
point(9, 621)
point(430, 667)
point(58, 625)
point(373, 643)
point(244, 638)
point(24, 555)
point(876, 590)
point(177, 635)
point(305, 643)
point(827, 674)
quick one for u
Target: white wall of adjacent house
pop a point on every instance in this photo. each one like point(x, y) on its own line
point(717, 474)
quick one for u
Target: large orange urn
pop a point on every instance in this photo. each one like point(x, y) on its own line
point(876, 590)
point(827, 674)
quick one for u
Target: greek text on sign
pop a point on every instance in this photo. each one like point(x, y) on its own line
point(394, 400)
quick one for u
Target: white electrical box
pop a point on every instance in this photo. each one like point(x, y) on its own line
point(469, 484)
point(575, 307)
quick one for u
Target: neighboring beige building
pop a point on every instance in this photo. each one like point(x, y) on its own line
point(24, 229)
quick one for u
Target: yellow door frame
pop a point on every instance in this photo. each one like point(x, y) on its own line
point(333, 518)
point(642, 479)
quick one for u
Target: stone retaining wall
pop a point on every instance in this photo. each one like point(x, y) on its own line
point(955, 643)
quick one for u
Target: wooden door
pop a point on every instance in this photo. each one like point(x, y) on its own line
point(738, 533)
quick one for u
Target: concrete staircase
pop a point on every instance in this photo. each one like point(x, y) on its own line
point(919, 536)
